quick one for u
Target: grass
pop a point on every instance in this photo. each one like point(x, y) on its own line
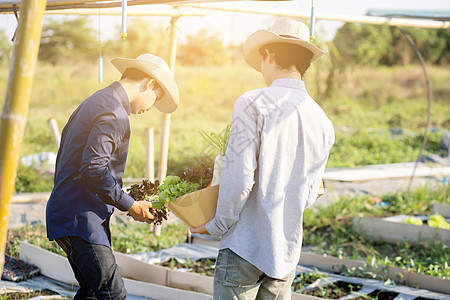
point(137, 237)
point(27, 295)
point(326, 230)
point(132, 237)
point(365, 110)
point(330, 230)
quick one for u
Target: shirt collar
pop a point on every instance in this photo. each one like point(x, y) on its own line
point(289, 82)
point(122, 96)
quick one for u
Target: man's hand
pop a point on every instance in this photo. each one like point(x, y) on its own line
point(140, 211)
point(201, 229)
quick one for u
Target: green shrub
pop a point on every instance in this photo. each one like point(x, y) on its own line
point(29, 181)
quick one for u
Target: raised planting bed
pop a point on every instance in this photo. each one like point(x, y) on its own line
point(399, 275)
point(157, 282)
point(320, 284)
point(368, 267)
point(442, 209)
point(202, 267)
point(140, 279)
point(393, 230)
point(43, 294)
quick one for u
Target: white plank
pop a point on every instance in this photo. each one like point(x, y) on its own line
point(57, 267)
point(371, 172)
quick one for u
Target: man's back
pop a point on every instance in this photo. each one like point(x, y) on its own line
point(279, 145)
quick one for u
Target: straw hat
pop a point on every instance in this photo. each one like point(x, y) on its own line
point(157, 69)
point(283, 31)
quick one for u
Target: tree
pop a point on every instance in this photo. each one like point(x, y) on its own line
point(362, 44)
point(142, 37)
point(203, 48)
point(67, 39)
point(377, 44)
point(5, 48)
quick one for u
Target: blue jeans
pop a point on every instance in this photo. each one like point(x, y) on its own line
point(237, 279)
point(95, 269)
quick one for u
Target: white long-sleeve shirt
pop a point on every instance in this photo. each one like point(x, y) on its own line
point(279, 144)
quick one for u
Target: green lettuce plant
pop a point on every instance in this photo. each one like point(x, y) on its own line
point(438, 221)
point(172, 188)
point(413, 220)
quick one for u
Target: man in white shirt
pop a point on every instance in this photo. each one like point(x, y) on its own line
point(278, 147)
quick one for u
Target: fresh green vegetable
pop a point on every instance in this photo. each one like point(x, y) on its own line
point(438, 221)
point(172, 188)
point(414, 221)
point(218, 141)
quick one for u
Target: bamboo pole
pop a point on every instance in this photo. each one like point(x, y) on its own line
point(55, 131)
point(150, 161)
point(162, 165)
point(15, 109)
point(150, 138)
point(407, 22)
point(164, 150)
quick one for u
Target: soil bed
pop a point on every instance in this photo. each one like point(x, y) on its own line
point(334, 290)
point(26, 295)
point(379, 295)
point(202, 266)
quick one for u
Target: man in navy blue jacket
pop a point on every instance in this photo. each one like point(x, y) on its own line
point(89, 168)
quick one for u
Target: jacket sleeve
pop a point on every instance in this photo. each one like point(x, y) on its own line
point(238, 171)
point(96, 157)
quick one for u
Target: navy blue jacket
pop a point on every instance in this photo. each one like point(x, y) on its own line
point(89, 168)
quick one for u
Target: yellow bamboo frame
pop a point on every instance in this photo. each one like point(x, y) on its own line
point(164, 150)
point(15, 109)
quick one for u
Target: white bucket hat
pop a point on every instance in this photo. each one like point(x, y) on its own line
point(157, 69)
point(284, 30)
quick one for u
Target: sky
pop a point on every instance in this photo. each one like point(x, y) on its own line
point(234, 27)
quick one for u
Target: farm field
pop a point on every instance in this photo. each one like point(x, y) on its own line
point(379, 115)
point(327, 231)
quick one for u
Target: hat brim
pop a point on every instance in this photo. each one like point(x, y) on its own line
point(265, 37)
point(169, 101)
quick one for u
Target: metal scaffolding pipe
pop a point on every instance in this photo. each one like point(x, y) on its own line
point(130, 12)
point(15, 109)
point(69, 4)
point(325, 16)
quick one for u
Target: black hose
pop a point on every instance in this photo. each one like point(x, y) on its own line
point(427, 128)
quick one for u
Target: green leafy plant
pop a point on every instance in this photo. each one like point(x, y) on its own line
point(413, 220)
point(202, 266)
point(148, 191)
point(438, 221)
point(30, 181)
point(218, 141)
point(135, 237)
point(329, 230)
point(304, 279)
point(201, 174)
point(172, 188)
point(36, 235)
